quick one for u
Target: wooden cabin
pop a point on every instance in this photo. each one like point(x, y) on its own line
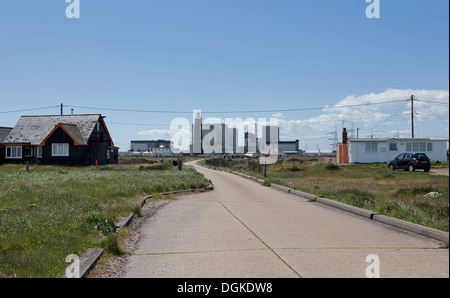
point(75, 140)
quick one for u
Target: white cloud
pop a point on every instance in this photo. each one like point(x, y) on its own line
point(156, 134)
point(384, 113)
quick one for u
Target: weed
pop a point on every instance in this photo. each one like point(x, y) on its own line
point(332, 166)
point(101, 222)
point(55, 211)
point(111, 244)
point(290, 169)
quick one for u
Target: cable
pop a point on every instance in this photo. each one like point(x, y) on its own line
point(26, 110)
point(233, 112)
point(435, 102)
point(432, 112)
point(393, 115)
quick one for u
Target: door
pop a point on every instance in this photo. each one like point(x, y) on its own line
point(405, 160)
point(398, 160)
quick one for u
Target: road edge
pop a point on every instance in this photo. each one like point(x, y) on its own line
point(92, 255)
point(408, 226)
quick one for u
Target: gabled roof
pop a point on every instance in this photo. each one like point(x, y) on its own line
point(34, 130)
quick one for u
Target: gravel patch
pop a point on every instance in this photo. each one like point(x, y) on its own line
point(115, 266)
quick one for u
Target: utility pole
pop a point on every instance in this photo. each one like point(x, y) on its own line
point(412, 116)
point(61, 109)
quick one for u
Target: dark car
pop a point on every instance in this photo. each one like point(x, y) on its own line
point(411, 162)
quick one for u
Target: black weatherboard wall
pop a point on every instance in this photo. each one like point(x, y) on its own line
point(77, 154)
point(4, 131)
point(99, 144)
point(94, 152)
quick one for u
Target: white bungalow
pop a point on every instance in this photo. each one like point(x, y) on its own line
point(384, 150)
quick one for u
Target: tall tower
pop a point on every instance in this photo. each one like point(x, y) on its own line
point(197, 133)
point(334, 139)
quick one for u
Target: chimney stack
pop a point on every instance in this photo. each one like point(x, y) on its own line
point(344, 136)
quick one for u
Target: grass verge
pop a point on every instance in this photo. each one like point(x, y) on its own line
point(416, 197)
point(51, 212)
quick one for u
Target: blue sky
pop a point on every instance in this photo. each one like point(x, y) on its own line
point(233, 55)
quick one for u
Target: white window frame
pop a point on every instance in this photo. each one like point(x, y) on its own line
point(16, 152)
point(60, 149)
point(39, 151)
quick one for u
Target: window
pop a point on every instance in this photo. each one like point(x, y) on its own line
point(419, 147)
point(13, 152)
point(39, 152)
point(60, 149)
point(393, 147)
point(408, 147)
point(28, 152)
point(371, 147)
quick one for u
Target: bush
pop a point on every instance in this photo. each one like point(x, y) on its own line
point(101, 222)
point(290, 169)
point(158, 167)
point(111, 245)
point(332, 166)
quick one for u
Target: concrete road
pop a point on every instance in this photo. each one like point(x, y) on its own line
point(242, 229)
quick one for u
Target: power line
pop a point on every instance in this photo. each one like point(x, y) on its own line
point(390, 117)
point(27, 110)
point(435, 102)
point(433, 113)
point(234, 112)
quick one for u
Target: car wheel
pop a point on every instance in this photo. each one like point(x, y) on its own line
point(426, 170)
point(391, 167)
point(411, 168)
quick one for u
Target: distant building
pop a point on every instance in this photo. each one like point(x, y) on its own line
point(290, 148)
point(61, 140)
point(232, 138)
point(151, 148)
point(220, 138)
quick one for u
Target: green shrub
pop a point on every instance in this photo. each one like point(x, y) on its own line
point(101, 222)
point(290, 169)
point(332, 166)
point(111, 245)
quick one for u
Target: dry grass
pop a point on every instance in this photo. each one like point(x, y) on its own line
point(51, 211)
point(418, 197)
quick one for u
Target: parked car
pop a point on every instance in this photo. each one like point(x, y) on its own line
point(411, 162)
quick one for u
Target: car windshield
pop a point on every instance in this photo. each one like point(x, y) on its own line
point(421, 156)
